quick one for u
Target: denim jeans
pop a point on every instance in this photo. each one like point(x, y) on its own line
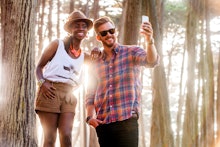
point(118, 134)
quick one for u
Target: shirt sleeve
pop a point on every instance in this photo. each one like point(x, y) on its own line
point(140, 58)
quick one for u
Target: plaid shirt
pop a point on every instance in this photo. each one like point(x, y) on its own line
point(115, 87)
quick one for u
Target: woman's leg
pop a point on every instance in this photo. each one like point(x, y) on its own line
point(49, 122)
point(65, 128)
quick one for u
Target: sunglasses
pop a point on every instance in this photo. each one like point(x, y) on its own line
point(104, 33)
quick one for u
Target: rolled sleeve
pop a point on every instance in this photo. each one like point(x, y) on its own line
point(152, 65)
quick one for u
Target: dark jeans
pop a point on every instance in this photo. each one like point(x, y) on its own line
point(118, 134)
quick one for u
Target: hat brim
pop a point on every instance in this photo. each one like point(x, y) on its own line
point(68, 25)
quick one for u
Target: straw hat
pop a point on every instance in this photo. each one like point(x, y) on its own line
point(76, 16)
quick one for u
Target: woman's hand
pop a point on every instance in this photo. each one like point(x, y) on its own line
point(48, 90)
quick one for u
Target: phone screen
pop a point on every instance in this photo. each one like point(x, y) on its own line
point(145, 18)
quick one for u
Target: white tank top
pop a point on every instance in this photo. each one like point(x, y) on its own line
point(63, 68)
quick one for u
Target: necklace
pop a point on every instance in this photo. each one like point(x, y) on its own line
point(75, 52)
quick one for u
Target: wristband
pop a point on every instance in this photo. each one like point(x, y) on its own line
point(151, 41)
point(88, 118)
point(40, 82)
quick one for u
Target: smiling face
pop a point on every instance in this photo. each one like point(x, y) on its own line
point(106, 34)
point(79, 30)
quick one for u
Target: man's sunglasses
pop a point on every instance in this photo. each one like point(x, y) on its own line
point(104, 33)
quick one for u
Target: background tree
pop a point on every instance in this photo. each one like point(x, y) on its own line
point(40, 28)
point(161, 132)
point(17, 116)
point(190, 120)
point(218, 103)
point(132, 13)
point(207, 78)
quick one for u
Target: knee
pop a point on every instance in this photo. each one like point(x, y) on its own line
point(65, 138)
point(49, 140)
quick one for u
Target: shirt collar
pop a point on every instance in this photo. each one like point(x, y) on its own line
point(114, 50)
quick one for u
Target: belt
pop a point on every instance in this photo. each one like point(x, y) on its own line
point(58, 83)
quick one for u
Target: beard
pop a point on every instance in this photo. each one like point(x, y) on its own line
point(107, 43)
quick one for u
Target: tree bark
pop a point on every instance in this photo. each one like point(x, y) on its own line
point(190, 133)
point(50, 23)
point(218, 102)
point(40, 29)
point(161, 132)
point(208, 79)
point(17, 116)
point(132, 21)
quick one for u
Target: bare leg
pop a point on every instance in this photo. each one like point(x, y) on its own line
point(65, 127)
point(49, 122)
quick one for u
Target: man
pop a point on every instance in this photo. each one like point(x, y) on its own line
point(114, 92)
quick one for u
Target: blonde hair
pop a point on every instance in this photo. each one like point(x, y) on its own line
point(102, 20)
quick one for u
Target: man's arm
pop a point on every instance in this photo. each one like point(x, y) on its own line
point(152, 55)
point(147, 31)
point(91, 118)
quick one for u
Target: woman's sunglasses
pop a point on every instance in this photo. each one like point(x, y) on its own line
point(104, 33)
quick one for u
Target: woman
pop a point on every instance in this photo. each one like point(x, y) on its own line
point(58, 73)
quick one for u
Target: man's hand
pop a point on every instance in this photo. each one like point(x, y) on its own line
point(94, 122)
point(146, 29)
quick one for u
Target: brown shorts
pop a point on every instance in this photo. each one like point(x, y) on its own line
point(64, 100)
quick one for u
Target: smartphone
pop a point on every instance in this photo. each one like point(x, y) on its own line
point(145, 18)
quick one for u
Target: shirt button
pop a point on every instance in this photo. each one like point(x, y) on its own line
point(110, 95)
point(110, 85)
point(110, 75)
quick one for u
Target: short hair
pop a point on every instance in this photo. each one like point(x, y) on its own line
point(102, 20)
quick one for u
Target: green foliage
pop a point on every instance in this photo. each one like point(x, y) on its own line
point(175, 12)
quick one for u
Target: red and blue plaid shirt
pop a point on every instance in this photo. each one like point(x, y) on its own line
point(115, 86)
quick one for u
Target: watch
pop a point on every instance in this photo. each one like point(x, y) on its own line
point(40, 82)
point(151, 41)
point(88, 118)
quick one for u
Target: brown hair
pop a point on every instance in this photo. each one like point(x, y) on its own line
point(98, 22)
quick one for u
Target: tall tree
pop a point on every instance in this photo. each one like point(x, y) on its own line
point(40, 28)
point(50, 23)
point(161, 132)
point(72, 5)
point(131, 21)
point(218, 101)
point(17, 116)
point(58, 18)
point(207, 71)
point(190, 118)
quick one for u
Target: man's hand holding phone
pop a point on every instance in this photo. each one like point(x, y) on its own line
point(145, 18)
point(146, 29)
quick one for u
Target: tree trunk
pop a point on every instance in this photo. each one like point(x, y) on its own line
point(208, 80)
point(17, 116)
point(50, 23)
point(180, 105)
point(218, 102)
point(189, 127)
point(132, 21)
point(161, 132)
point(72, 5)
point(58, 18)
point(40, 29)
